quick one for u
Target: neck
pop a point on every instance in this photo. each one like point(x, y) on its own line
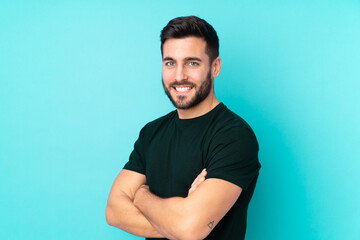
point(202, 108)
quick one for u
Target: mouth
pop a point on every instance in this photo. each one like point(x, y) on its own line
point(182, 89)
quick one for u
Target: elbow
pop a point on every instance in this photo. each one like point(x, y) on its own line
point(190, 235)
point(114, 217)
point(189, 225)
point(191, 229)
point(109, 216)
point(193, 235)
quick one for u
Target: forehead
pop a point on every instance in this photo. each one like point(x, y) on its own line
point(184, 47)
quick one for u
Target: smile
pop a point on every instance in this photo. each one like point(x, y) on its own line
point(182, 89)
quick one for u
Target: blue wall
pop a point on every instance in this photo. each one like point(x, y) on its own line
point(78, 79)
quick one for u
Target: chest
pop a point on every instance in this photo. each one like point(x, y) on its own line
point(173, 160)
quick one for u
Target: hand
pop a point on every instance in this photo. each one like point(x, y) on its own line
point(198, 180)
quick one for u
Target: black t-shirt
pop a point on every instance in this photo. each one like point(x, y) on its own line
point(171, 152)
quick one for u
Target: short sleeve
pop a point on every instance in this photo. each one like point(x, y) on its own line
point(233, 156)
point(136, 161)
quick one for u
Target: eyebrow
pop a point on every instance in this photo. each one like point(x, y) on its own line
point(168, 59)
point(186, 59)
point(193, 59)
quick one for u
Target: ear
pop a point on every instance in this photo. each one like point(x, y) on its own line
point(215, 67)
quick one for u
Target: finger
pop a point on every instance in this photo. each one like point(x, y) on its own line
point(202, 174)
point(196, 185)
point(198, 182)
point(195, 181)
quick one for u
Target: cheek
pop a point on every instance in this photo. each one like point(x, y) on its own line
point(199, 74)
point(166, 75)
point(198, 77)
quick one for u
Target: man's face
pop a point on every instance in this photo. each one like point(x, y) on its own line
point(186, 71)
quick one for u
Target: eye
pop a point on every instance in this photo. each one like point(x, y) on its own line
point(169, 64)
point(193, 64)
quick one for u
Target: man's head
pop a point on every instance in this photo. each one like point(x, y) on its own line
point(189, 48)
point(192, 26)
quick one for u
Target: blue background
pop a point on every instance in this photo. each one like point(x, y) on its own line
point(78, 80)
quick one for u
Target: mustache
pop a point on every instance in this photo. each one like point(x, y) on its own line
point(183, 82)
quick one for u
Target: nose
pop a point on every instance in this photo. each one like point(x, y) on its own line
point(180, 73)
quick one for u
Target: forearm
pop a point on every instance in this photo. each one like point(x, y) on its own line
point(122, 213)
point(172, 217)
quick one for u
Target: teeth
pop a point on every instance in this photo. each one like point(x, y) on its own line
point(182, 89)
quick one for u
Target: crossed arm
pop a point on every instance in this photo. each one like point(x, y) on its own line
point(133, 208)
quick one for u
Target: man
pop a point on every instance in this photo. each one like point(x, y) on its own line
point(193, 171)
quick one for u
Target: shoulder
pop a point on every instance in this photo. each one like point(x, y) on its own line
point(233, 150)
point(229, 125)
point(153, 126)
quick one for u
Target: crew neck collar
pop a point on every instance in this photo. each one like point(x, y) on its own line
point(199, 119)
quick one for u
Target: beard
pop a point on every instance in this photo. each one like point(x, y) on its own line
point(201, 92)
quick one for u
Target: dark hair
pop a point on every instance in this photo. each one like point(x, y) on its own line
point(192, 26)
